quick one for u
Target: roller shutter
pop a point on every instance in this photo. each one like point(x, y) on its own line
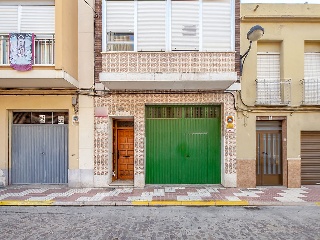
point(310, 158)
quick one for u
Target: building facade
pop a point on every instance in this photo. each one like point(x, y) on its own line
point(278, 135)
point(46, 69)
point(164, 108)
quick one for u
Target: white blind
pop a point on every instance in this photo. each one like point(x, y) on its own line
point(185, 25)
point(8, 19)
point(151, 26)
point(38, 19)
point(120, 16)
point(268, 75)
point(33, 19)
point(312, 65)
point(268, 66)
point(216, 19)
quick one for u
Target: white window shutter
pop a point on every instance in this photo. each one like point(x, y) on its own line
point(8, 19)
point(185, 25)
point(37, 19)
point(268, 66)
point(120, 16)
point(311, 83)
point(312, 65)
point(151, 26)
point(216, 20)
point(268, 78)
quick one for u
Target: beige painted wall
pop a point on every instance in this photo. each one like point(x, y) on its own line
point(296, 122)
point(67, 36)
point(9, 103)
point(291, 29)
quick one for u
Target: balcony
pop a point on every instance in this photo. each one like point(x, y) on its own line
point(311, 91)
point(273, 92)
point(168, 70)
point(44, 75)
point(43, 52)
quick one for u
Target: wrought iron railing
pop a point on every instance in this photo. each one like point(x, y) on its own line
point(311, 91)
point(44, 48)
point(273, 91)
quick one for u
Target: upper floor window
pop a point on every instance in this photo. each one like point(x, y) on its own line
point(311, 81)
point(168, 25)
point(39, 20)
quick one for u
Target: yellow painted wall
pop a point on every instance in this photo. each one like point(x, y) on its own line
point(9, 103)
point(67, 36)
point(291, 29)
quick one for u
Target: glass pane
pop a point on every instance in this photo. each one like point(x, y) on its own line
point(21, 118)
point(41, 117)
point(120, 41)
point(60, 118)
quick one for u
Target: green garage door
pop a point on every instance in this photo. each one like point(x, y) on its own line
point(183, 144)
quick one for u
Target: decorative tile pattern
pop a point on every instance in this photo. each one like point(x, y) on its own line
point(100, 147)
point(292, 195)
point(168, 62)
point(125, 105)
point(61, 195)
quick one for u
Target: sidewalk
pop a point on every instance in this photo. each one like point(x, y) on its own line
point(153, 195)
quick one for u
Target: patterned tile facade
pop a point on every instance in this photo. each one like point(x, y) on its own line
point(168, 62)
point(126, 105)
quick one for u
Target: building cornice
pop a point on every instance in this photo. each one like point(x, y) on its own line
point(281, 18)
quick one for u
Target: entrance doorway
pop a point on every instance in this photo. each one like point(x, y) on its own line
point(269, 167)
point(123, 144)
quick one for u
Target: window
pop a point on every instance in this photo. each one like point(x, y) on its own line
point(39, 20)
point(40, 117)
point(268, 78)
point(168, 25)
point(311, 81)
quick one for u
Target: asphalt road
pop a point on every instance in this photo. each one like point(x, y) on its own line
point(284, 222)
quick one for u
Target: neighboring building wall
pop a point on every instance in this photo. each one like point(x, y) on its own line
point(8, 104)
point(82, 174)
point(56, 87)
point(289, 30)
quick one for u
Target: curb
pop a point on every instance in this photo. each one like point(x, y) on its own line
point(26, 203)
point(190, 203)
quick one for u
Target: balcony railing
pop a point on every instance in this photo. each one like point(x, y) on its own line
point(311, 91)
point(273, 91)
point(44, 48)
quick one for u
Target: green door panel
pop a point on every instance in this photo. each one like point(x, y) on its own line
point(183, 150)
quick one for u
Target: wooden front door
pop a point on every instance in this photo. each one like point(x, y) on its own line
point(269, 158)
point(125, 154)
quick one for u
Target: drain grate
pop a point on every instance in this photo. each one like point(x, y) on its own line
point(252, 208)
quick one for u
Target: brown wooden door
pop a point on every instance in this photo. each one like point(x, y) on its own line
point(269, 158)
point(125, 154)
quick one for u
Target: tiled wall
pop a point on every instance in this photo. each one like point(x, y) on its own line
point(168, 62)
point(246, 173)
point(121, 105)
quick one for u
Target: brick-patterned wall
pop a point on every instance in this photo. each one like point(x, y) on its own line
point(178, 62)
point(98, 40)
point(135, 106)
point(237, 36)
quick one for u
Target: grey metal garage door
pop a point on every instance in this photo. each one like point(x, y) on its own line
point(39, 152)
